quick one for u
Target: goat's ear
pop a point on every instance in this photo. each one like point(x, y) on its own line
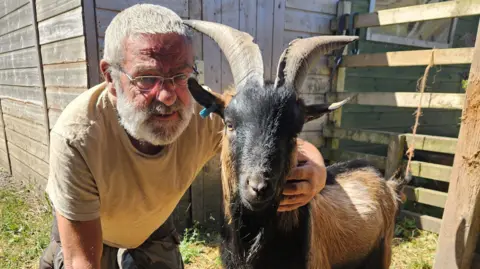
point(212, 101)
point(313, 112)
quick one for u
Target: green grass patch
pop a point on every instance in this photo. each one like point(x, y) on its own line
point(24, 229)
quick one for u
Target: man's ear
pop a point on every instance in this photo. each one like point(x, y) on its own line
point(212, 101)
point(313, 112)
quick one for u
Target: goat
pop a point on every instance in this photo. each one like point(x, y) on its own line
point(349, 224)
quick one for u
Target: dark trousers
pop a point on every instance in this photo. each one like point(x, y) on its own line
point(159, 251)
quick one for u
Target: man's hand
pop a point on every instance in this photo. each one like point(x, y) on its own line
point(305, 180)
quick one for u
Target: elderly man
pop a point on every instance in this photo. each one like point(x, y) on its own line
point(124, 152)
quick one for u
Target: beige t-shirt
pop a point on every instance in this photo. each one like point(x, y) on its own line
point(96, 172)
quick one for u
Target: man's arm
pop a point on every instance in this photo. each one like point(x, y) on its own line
point(81, 242)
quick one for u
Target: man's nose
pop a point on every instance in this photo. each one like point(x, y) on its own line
point(167, 95)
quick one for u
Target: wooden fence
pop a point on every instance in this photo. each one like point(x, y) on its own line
point(398, 143)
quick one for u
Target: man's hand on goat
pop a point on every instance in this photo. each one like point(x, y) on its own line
point(305, 180)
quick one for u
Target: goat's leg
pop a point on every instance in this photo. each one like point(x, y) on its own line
point(387, 249)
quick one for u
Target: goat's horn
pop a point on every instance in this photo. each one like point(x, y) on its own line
point(301, 54)
point(242, 54)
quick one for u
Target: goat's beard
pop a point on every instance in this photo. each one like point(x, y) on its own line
point(141, 125)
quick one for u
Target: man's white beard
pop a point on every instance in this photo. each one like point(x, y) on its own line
point(140, 124)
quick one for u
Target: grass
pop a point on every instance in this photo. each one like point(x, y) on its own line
point(25, 227)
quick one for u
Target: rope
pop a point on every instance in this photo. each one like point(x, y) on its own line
point(418, 112)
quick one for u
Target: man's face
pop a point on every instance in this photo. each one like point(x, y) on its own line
point(160, 115)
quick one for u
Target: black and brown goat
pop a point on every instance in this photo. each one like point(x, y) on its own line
point(349, 224)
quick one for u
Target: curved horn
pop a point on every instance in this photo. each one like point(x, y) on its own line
point(301, 54)
point(242, 54)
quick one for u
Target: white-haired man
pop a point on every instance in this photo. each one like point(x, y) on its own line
point(124, 152)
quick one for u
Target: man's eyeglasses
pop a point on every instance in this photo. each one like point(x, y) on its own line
point(147, 83)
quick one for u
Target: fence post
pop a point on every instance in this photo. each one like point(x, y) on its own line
point(395, 152)
point(338, 79)
point(461, 219)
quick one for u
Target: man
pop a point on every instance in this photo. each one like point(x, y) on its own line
point(123, 153)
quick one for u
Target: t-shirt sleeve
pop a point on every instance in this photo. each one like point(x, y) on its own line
point(71, 186)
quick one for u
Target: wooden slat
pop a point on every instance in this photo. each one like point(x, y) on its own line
point(426, 196)
point(3, 146)
point(337, 155)
point(265, 9)
point(278, 30)
point(59, 98)
point(50, 8)
point(230, 16)
point(402, 99)
point(178, 6)
point(19, 168)
point(248, 17)
point(20, 77)
point(28, 145)
point(29, 160)
point(320, 6)
point(366, 136)
point(426, 12)
point(66, 75)
point(7, 6)
point(431, 171)
point(298, 20)
point(104, 17)
point(20, 39)
point(410, 58)
point(432, 143)
point(195, 13)
point(61, 27)
point(211, 51)
point(31, 113)
point(29, 129)
point(4, 159)
point(423, 222)
point(65, 51)
point(18, 59)
point(93, 68)
point(29, 94)
point(53, 115)
point(312, 137)
point(16, 20)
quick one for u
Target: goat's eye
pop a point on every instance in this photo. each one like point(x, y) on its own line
point(229, 126)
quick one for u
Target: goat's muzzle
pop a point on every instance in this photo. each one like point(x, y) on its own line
point(256, 191)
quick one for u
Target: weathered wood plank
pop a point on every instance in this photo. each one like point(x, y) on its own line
point(432, 143)
point(366, 136)
point(7, 6)
point(320, 6)
point(29, 113)
point(20, 77)
point(230, 16)
point(66, 75)
point(426, 12)
point(461, 218)
point(53, 115)
point(426, 196)
point(26, 172)
point(29, 129)
point(50, 8)
point(431, 171)
point(317, 84)
point(28, 94)
point(423, 222)
point(59, 98)
point(248, 17)
point(91, 46)
point(20, 39)
point(211, 51)
point(29, 160)
point(61, 27)
point(178, 6)
point(28, 145)
point(278, 30)
point(3, 146)
point(402, 99)
point(263, 34)
point(65, 51)
point(4, 159)
point(16, 20)
point(337, 155)
point(18, 59)
point(195, 13)
point(297, 20)
point(410, 58)
point(313, 138)
point(104, 17)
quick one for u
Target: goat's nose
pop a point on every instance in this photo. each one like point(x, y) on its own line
point(258, 187)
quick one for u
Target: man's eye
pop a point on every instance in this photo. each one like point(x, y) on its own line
point(181, 79)
point(146, 82)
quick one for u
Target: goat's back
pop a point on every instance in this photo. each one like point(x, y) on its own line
point(352, 214)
